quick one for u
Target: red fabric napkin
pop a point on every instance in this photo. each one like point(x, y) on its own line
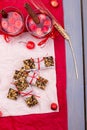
point(51, 121)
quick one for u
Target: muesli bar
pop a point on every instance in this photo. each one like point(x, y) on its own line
point(29, 64)
point(20, 81)
point(12, 94)
point(31, 101)
point(27, 94)
point(36, 80)
point(20, 74)
point(29, 97)
point(39, 63)
point(21, 84)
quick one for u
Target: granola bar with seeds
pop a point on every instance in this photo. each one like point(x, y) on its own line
point(29, 96)
point(41, 82)
point(21, 84)
point(12, 94)
point(36, 80)
point(31, 101)
point(22, 73)
point(48, 61)
point(29, 64)
point(39, 63)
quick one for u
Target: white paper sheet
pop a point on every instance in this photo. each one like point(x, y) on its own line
point(11, 58)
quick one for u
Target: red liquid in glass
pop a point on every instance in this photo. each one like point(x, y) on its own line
point(42, 29)
point(13, 24)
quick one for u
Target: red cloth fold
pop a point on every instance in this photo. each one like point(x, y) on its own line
point(51, 121)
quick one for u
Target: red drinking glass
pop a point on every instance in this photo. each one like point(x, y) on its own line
point(42, 29)
point(13, 24)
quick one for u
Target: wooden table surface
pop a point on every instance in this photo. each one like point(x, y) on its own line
point(75, 88)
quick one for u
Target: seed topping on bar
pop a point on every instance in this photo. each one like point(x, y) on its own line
point(31, 101)
point(20, 74)
point(21, 84)
point(29, 64)
point(48, 61)
point(12, 94)
point(41, 82)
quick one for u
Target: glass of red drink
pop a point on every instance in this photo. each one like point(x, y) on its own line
point(13, 24)
point(42, 29)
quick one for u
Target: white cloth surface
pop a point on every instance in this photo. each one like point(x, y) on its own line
point(11, 58)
